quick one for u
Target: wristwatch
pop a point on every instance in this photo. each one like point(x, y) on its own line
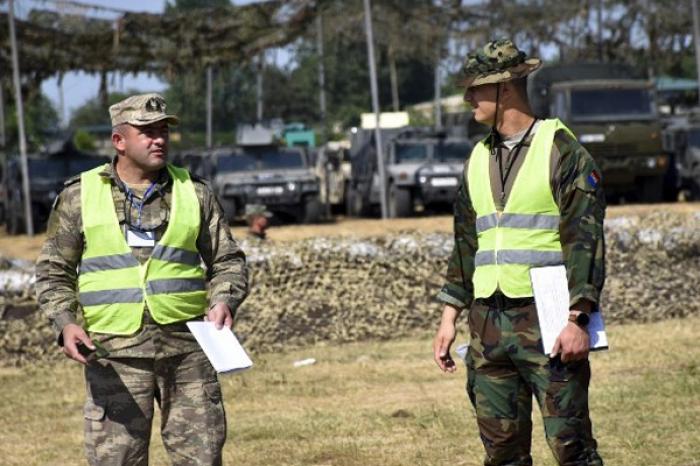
point(579, 318)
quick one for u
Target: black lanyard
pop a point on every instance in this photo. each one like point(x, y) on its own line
point(518, 146)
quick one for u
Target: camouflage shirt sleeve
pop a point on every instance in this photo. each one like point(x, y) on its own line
point(227, 272)
point(578, 188)
point(57, 264)
point(459, 289)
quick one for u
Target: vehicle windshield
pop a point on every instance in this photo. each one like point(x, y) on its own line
point(694, 138)
point(452, 151)
point(280, 159)
point(235, 163)
point(411, 152)
point(261, 159)
point(82, 164)
point(48, 168)
point(611, 103)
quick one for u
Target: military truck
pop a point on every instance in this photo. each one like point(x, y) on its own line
point(260, 170)
point(682, 138)
point(423, 170)
point(612, 110)
point(47, 173)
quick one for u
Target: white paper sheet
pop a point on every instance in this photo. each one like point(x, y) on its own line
point(551, 290)
point(221, 347)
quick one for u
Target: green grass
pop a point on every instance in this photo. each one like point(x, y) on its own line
point(385, 403)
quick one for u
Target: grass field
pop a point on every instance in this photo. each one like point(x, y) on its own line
point(385, 403)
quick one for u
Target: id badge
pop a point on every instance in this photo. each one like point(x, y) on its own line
point(140, 239)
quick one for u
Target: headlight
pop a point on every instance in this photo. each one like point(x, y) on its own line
point(291, 186)
point(423, 179)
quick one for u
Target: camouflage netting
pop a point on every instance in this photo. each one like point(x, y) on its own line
point(341, 290)
point(51, 42)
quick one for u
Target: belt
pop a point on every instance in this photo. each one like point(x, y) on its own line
point(502, 302)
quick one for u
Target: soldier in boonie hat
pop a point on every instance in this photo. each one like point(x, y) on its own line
point(257, 215)
point(141, 110)
point(513, 182)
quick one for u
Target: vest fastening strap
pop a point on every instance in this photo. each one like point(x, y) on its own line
point(116, 261)
point(517, 256)
point(124, 295)
point(172, 254)
point(175, 285)
point(530, 221)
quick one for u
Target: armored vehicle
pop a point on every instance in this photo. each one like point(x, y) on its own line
point(423, 171)
point(682, 138)
point(261, 171)
point(612, 110)
point(47, 173)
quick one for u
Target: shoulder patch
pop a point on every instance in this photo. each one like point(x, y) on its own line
point(72, 180)
point(593, 178)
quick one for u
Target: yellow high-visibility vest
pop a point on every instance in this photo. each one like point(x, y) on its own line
point(114, 287)
point(526, 233)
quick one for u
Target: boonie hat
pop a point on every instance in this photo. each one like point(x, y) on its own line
point(496, 62)
point(141, 110)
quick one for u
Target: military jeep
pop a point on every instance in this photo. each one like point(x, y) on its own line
point(423, 170)
point(279, 177)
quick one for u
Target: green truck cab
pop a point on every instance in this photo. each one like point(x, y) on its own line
point(612, 111)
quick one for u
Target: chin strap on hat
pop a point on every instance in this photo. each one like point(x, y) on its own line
point(494, 136)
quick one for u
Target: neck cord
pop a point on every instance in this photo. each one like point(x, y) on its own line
point(517, 148)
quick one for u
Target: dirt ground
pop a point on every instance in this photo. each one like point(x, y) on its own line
point(24, 247)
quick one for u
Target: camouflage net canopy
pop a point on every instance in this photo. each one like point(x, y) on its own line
point(340, 290)
point(51, 42)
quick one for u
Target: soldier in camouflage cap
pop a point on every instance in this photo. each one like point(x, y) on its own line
point(125, 247)
point(530, 196)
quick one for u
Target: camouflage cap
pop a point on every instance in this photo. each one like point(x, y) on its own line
point(498, 61)
point(255, 210)
point(141, 110)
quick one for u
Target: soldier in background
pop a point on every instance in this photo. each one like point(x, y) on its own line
point(125, 244)
point(531, 196)
point(258, 219)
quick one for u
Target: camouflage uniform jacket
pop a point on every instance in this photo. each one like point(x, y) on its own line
point(581, 201)
point(57, 265)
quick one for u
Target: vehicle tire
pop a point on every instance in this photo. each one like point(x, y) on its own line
point(652, 189)
point(312, 210)
point(15, 225)
point(400, 202)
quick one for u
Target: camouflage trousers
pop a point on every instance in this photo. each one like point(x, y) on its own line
point(505, 367)
point(119, 410)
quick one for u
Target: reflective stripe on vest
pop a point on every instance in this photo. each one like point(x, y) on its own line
point(114, 287)
point(526, 233)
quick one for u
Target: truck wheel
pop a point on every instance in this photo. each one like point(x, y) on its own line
point(15, 225)
point(312, 210)
point(400, 202)
point(652, 189)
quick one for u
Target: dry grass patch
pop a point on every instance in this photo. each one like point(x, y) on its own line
point(384, 403)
